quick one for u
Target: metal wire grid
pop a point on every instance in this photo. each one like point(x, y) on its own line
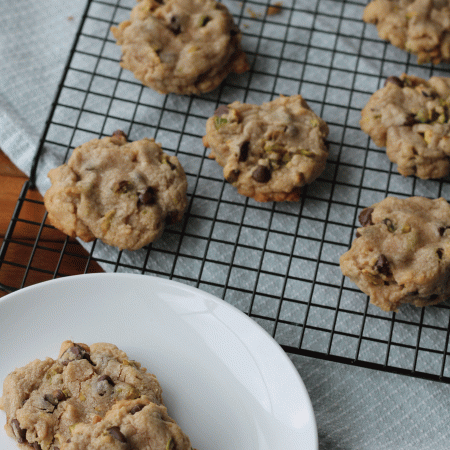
point(279, 263)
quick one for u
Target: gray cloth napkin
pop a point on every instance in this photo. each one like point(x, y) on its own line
point(356, 409)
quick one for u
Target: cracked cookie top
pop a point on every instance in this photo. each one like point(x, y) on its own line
point(268, 152)
point(410, 116)
point(402, 252)
point(89, 397)
point(120, 192)
point(180, 46)
point(421, 27)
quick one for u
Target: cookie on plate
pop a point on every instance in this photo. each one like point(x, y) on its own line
point(120, 192)
point(268, 152)
point(421, 27)
point(180, 46)
point(402, 252)
point(88, 398)
point(410, 116)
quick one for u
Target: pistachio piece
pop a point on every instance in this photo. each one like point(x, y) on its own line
point(422, 116)
point(219, 122)
point(306, 152)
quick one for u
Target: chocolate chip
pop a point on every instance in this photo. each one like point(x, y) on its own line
point(123, 187)
point(204, 20)
point(410, 120)
point(175, 25)
point(222, 109)
point(117, 434)
point(365, 217)
point(55, 397)
point(261, 174)
point(382, 265)
point(442, 230)
point(172, 217)
point(75, 353)
point(440, 252)
point(19, 433)
point(394, 80)
point(106, 378)
point(36, 446)
point(433, 297)
point(357, 234)
point(104, 383)
point(119, 134)
point(136, 408)
point(234, 30)
point(243, 151)
point(233, 176)
point(389, 224)
point(148, 197)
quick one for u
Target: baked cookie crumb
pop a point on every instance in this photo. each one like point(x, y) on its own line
point(120, 192)
point(401, 253)
point(90, 397)
point(421, 27)
point(180, 46)
point(268, 152)
point(410, 117)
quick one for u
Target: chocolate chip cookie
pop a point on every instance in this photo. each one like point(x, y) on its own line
point(402, 252)
point(120, 192)
point(88, 398)
point(421, 27)
point(410, 116)
point(180, 46)
point(268, 152)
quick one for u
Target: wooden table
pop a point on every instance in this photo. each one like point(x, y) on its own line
point(11, 182)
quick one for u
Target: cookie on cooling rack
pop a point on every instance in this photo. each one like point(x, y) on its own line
point(180, 46)
point(268, 152)
point(120, 192)
point(402, 252)
point(410, 116)
point(90, 397)
point(419, 27)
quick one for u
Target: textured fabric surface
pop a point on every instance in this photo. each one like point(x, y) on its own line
point(356, 409)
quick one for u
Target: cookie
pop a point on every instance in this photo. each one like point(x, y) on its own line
point(268, 152)
point(402, 252)
point(421, 27)
point(180, 46)
point(88, 398)
point(120, 192)
point(410, 116)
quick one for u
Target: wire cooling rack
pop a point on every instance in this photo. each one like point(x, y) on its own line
point(277, 262)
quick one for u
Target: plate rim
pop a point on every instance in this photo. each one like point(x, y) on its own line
point(10, 297)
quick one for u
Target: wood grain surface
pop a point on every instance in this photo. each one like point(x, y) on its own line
point(24, 265)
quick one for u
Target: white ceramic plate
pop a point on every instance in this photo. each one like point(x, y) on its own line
point(225, 380)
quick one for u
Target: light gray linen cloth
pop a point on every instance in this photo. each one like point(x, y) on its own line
point(355, 409)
